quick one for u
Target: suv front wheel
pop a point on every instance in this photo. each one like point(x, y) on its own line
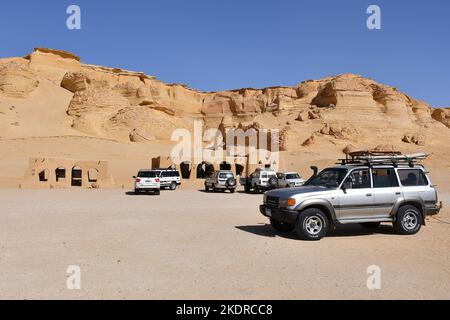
point(312, 224)
point(408, 221)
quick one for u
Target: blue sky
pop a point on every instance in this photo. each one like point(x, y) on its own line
point(216, 45)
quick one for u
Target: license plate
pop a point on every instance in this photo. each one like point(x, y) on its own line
point(268, 212)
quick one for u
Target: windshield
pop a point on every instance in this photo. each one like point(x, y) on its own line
point(328, 178)
point(147, 174)
point(293, 176)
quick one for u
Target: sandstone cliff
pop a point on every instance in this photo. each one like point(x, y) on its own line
point(82, 99)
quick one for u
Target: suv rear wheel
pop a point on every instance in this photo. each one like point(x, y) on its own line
point(312, 224)
point(408, 221)
point(173, 186)
point(282, 226)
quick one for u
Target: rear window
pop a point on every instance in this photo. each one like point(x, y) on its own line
point(225, 175)
point(293, 176)
point(384, 178)
point(412, 177)
point(147, 174)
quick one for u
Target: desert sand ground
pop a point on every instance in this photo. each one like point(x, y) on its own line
point(183, 245)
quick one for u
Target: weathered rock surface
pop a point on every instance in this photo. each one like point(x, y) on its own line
point(17, 80)
point(112, 103)
point(442, 115)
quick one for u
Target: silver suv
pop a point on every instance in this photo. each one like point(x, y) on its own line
point(368, 190)
point(221, 180)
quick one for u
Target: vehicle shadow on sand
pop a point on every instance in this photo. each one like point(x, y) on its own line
point(266, 230)
point(132, 193)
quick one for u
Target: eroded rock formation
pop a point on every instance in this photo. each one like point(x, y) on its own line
point(124, 105)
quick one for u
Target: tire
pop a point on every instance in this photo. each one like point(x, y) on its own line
point(247, 188)
point(282, 226)
point(273, 183)
point(206, 188)
point(231, 182)
point(408, 220)
point(232, 190)
point(173, 186)
point(370, 225)
point(157, 192)
point(312, 225)
point(137, 191)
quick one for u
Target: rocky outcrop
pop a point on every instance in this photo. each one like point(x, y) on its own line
point(442, 115)
point(414, 139)
point(339, 132)
point(113, 102)
point(141, 135)
point(309, 142)
point(17, 80)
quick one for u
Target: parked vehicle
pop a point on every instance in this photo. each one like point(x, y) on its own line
point(289, 180)
point(147, 180)
point(221, 181)
point(369, 190)
point(260, 180)
point(169, 178)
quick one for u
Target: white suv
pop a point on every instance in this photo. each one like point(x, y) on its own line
point(289, 180)
point(169, 178)
point(147, 180)
point(260, 180)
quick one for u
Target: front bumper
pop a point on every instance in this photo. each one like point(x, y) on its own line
point(282, 215)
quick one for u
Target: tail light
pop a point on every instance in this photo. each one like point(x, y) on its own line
point(138, 180)
point(157, 180)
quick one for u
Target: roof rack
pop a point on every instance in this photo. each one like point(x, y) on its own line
point(382, 157)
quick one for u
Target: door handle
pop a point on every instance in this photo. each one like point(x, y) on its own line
point(368, 195)
point(398, 193)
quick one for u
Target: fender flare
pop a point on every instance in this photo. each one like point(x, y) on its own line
point(415, 201)
point(321, 203)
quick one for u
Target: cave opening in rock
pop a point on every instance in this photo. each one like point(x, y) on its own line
point(60, 174)
point(204, 170)
point(77, 177)
point(225, 166)
point(185, 168)
point(43, 175)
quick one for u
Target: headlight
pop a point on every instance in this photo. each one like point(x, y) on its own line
point(288, 202)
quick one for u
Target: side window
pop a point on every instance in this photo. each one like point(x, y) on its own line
point(360, 179)
point(384, 178)
point(412, 177)
point(164, 174)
